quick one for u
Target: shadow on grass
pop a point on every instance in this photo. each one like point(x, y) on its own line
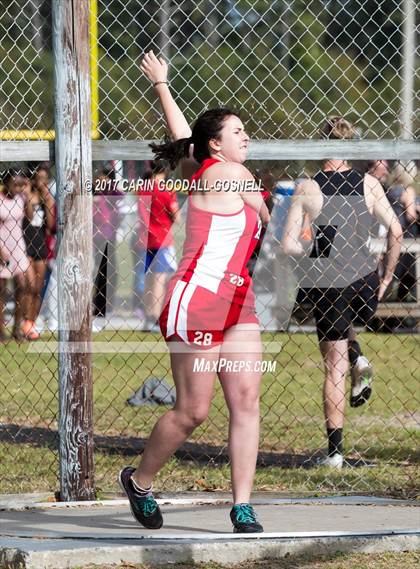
point(394, 453)
point(131, 446)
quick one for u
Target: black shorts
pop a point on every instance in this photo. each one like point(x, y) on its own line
point(335, 309)
point(36, 246)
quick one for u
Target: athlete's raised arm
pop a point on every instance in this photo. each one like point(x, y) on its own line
point(156, 69)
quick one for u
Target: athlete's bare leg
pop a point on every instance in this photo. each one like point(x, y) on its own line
point(242, 394)
point(34, 299)
point(155, 293)
point(23, 290)
point(336, 362)
point(194, 392)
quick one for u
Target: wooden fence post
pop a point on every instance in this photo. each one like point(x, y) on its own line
point(73, 159)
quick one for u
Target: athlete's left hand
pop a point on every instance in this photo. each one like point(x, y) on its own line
point(156, 69)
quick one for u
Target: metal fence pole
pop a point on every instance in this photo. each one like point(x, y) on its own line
point(408, 56)
point(165, 29)
point(74, 173)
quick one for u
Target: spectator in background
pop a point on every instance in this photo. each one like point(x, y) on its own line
point(42, 175)
point(49, 307)
point(154, 248)
point(35, 231)
point(15, 204)
point(106, 220)
point(402, 197)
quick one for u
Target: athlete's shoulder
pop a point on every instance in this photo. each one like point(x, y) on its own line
point(231, 171)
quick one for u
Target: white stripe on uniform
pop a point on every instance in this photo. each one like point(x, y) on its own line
point(223, 238)
point(173, 306)
point(182, 323)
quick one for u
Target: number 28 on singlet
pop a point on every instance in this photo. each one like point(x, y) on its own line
point(236, 280)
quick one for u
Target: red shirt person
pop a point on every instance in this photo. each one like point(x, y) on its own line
point(158, 210)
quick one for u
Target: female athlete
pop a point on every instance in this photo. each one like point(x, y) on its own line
point(209, 312)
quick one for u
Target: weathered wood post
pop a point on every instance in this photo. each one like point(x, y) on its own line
point(73, 159)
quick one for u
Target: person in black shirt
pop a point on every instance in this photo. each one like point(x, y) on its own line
point(339, 273)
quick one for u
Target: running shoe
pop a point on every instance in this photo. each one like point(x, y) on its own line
point(145, 510)
point(334, 461)
point(361, 382)
point(244, 519)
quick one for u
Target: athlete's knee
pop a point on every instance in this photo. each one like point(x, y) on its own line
point(193, 417)
point(248, 403)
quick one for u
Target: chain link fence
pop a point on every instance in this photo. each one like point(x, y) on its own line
point(285, 66)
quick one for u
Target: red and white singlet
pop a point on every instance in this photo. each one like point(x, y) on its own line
point(212, 289)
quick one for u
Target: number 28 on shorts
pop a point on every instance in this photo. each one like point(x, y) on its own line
point(203, 338)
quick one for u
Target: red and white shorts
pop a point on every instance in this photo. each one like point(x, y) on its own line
point(199, 317)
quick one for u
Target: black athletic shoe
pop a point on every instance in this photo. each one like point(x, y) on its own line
point(145, 510)
point(244, 519)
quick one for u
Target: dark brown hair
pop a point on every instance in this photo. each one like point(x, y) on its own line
point(207, 126)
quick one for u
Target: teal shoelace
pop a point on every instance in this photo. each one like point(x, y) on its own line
point(245, 513)
point(148, 506)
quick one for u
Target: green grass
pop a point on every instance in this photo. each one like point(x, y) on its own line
point(384, 431)
point(406, 560)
